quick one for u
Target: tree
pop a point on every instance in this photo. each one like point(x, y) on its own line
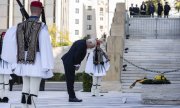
point(177, 5)
point(53, 32)
point(62, 40)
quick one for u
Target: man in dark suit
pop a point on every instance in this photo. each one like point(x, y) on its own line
point(151, 9)
point(131, 10)
point(160, 9)
point(72, 60)
point(136, 10)
point(167, 8)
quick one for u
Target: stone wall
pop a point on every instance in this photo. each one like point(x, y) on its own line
point(58, 65)
point(115, 46)
point(161, 94)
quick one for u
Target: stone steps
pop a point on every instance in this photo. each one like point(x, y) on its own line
point(155, 54)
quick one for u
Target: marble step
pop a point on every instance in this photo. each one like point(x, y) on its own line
point(125, 75)
point(163, 41)
point(158, 68)
point(139, 71)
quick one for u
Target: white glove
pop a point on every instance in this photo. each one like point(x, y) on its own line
point(77, 67)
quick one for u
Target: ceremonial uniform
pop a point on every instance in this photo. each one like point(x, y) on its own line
point(28, 46)
point(97, 65)
point(5, 71)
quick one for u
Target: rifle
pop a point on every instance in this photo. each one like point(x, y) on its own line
point(43, 16)
point(23, 11)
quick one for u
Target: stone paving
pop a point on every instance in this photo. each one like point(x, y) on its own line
point(59, 99)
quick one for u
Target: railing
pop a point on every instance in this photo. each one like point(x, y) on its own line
point(147, 27)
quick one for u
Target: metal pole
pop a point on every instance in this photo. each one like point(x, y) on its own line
point(108, 19)
point(8, 13)
point(156, 34)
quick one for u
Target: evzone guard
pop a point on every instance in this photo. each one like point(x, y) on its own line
point(28, 46)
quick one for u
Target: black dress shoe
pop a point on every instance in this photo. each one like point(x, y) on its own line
point(5, 100)
point(0, 100)
point(75, 100)
point(93, 95)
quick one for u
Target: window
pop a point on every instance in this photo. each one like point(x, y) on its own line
point(89, 7)
point(89, 27)
point(77, 1)
point(89, 17)
point(76, 32)
point(101, 9)
point(101, 18)
point(101, 27)
point(76, 21)
point(77, 10)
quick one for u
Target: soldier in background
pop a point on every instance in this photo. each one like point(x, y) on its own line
point(167, 8)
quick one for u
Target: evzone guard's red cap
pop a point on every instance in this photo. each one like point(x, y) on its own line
point(3, 34)
point(98, 42)
point(36, 4)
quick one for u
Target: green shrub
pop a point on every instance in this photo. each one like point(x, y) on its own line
point(63, 44)
point(87, 82)
point(61, 77)
point(79, 77)
point(57, 77)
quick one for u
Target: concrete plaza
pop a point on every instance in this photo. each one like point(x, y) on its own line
point(59, 99)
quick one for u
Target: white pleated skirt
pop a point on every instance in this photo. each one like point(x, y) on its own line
point(33, 70)
point(96, 70)
point(6, 68)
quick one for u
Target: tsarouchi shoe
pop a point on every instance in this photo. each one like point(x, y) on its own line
point(75, 100)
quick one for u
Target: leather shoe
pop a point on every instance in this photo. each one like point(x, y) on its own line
point(75, 100)
point(5, 100)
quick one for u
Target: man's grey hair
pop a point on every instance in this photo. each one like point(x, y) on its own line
point(92, 40)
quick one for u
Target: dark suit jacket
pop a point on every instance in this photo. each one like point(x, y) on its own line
point(131, 10)
point(160, 8)
point(167, 8)
point(144, 9)
point(76, 53)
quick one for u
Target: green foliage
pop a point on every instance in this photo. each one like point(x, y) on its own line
point(63, 37)
point(79, 77)
point(52, 32)
point(57, 77)
point(151, 81)
point(60, 77)
point(87, 82)
point(63, 44)
point(177, 5)
point(86, 37)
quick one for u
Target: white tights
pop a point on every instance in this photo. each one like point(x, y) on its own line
point(31, 87)
point(4, 85)
point(95, 89)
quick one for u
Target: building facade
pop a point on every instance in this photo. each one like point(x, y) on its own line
point(77, 18)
